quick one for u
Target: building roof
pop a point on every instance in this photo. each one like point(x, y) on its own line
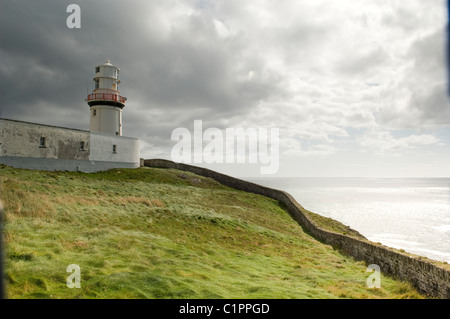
point(69, 128)
point(108, 63)
point(62, 127)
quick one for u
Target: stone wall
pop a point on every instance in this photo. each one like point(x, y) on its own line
point(20, 147)
point(23, 139)
point(51, 164)
point(428, 278)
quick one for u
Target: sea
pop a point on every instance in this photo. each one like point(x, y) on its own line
point(412, 214)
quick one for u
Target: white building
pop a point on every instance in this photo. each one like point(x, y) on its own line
point(105, 102)
point(45, 147)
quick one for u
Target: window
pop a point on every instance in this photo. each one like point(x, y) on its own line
point(82, 146)
point(115, 149)
point(97, 69)
point(94, 112)
point(97, 83)
point(117, 133)
point(42, 142)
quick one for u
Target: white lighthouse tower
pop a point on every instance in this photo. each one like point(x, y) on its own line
point(105, 101)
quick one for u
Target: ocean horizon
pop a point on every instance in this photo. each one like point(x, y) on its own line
point(412, 214)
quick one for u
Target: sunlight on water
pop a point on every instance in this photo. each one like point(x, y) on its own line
point(409, 214)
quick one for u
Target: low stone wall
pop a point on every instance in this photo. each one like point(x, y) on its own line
point(52, 164)
point(427, 278)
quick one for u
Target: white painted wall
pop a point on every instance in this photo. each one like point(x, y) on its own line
point(22, 139)
point(107, 119)
point(102, 148)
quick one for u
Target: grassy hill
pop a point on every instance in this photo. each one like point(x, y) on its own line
point(157, 233)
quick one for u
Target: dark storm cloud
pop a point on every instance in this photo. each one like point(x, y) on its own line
point(431, 103)
point(186, 71)
point(421, 88)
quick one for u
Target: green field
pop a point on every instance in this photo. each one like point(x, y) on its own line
point(158, 233)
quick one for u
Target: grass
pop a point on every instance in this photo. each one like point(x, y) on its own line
point(158, 233)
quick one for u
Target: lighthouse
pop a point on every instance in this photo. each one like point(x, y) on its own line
point(56, 148)
point(105, 102)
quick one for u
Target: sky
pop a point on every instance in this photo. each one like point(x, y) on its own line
point(356, 88)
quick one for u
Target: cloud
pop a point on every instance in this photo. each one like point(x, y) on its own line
point(416, 97)
point(384, 141)
point(294, 149)
point(318, 70)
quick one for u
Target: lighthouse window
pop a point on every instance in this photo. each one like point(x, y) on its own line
point(95, 112)
point(82, 146)
point(97, 83)
point(42, 142)
point(115, 149)
point(97, 69)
